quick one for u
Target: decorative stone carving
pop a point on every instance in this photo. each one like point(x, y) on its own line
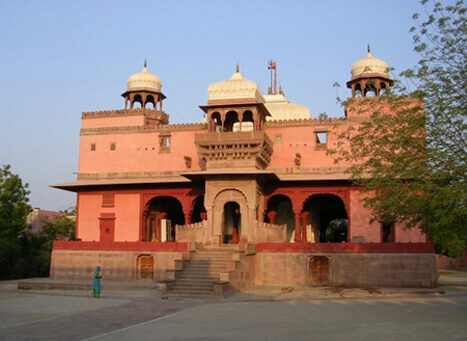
point(188, 161)
point(298, 159)
point(235, 149)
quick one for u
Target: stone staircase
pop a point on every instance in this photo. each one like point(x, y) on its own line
point(201, 273)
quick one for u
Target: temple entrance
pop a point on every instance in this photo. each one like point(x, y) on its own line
point(279, 211)
point(327, 219)
point(160, 217)
point(231, 223)
point(146, 267)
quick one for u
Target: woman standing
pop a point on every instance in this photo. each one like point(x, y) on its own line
point(96, 283)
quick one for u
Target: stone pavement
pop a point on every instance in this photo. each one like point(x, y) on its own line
point(130, 313)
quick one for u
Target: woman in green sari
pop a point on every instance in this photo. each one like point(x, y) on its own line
point(96, 283)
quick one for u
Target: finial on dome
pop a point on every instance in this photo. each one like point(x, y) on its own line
point(368, 49)
point(145, 63)
point(238, 68)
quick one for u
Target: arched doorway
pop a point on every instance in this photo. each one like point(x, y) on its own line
point(199, 211)
point(327, 219)
point(162, 211)
point(231, 223)
point(279, 211)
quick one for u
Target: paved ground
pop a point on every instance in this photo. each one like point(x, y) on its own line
point(269, 314)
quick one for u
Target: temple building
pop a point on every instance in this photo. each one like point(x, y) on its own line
point(247, 196)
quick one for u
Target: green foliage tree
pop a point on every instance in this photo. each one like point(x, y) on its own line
point(61, 228)
point(413, 161)
point(14, 209)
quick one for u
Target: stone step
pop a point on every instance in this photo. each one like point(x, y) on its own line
point(192, 286)
point(189, 295)
point(203, 281)
point(197, 276)
point(210, 259)
point(203, 272)
point(191, 291)
point(206, 266)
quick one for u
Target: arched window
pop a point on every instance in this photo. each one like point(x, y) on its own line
point(157, 210)
point(137, 102)
point(327, 219)
point(150, 103)
point(279, 211)
point(230, 119)
point(216, 122)
point(247, 121)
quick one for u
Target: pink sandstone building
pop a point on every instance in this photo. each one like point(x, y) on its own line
point(247, 196)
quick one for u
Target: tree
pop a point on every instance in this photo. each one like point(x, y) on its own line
point(410, 153)
point(61, 228)
point(14, 209)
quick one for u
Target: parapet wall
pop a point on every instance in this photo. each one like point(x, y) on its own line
point(347, 269)
point(78, 260)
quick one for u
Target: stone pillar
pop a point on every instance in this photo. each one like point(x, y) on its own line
point(304, 217)
point(297, 227)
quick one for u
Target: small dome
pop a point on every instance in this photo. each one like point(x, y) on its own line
point(236, 87)
point(144, 80)
point(281, 108)
point(370, 64)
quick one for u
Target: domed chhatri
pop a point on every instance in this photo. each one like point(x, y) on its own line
point(234, 88)
point(369, 74)
point(370, 65)
point(144, 88)
point(144, 80)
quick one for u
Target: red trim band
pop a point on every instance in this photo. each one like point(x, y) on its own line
point(347, 247)
point(119, 246)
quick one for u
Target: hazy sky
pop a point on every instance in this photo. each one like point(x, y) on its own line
point(59, 58)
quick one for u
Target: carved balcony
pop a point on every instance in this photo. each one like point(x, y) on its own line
point(252, 149)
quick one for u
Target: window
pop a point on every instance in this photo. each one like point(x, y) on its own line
point(112, 146)
point(321, 139)
point(93, 147)
point(277, 139)
point(164, 143)
point(387, 233)
point(108, 199)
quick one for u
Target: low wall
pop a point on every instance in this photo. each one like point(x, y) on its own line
point(195, 232)
point(349, 265)
point(270, 233)
point(444, 262)
point(119, 261)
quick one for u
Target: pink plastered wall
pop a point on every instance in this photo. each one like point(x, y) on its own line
point(136, 152)
point(127, 213)
point(360, 218)
point(302, 139)
point(88, 214)
point(408, 235)
point(122, 121)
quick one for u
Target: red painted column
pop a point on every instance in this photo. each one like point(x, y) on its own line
point(297, 227)
point(187, 217)
point(304, 217)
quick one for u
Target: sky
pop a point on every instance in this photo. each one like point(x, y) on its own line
point(60, 58)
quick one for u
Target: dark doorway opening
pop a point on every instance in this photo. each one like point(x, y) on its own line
point(231, 223)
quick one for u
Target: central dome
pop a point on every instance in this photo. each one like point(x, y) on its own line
point(370, 65)
point(236, 87)
point(281, 108)
point(144, 80)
